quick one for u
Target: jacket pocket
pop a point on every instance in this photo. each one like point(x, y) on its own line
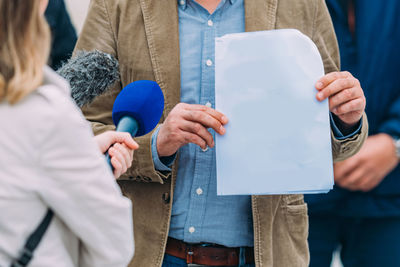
point(296, 217)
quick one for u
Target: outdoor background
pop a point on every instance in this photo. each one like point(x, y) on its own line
point(78, 10)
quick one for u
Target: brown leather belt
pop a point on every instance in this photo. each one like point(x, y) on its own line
point(207, 255)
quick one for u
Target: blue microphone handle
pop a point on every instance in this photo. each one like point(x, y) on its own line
point(126, 124)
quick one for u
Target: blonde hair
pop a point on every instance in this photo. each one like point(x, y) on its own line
point(24, 48)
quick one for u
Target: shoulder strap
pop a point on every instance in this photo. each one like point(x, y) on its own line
point(33, 241)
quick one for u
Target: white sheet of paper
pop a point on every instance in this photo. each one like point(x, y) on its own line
point(278, 137)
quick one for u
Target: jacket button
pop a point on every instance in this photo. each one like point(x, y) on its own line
point(166, 198)
point(147, 179)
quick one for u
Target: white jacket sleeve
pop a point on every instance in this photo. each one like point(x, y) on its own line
point(80, 189)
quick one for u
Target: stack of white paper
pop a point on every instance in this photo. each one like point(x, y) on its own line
point(278, 138)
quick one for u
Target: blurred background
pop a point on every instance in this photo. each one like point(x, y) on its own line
point(77, 10)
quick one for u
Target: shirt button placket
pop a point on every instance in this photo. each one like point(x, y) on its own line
point(198, 197)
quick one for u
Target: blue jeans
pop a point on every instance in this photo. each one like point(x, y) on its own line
point(365, 242)
point(171, 261)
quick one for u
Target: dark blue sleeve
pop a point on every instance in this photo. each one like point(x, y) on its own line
point(378, 43)
point(64, 36)
point(391, 125)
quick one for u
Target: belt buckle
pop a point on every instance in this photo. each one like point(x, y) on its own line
point(189, 254)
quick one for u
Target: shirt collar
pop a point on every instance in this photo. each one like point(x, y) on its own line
point(183, 3)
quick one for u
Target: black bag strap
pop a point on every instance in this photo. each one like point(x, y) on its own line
point(33, 241)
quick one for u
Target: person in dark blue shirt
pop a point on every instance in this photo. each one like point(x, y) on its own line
point(63, 33)
point(362, 214)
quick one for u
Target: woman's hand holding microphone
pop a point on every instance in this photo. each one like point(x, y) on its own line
point(121, 152)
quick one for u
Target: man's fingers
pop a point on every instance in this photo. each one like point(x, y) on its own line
point(344, 168)
point(335, 87)
point(331, 77)
point(347, 99)
point(198, 129)
point(189, 123)
point(205, 119)
point(353, 179)
point(369, 184)
point(344, 96)
point(214, 113)
point(339, 172)
point(355, 105)
point(363, 183)
point(195, 139)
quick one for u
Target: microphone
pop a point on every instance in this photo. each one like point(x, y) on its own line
point(138, 108)
point(90, 74)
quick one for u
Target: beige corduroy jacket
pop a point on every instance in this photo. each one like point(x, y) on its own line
point(144, 36)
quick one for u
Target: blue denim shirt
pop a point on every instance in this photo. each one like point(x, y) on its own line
point(198, 214)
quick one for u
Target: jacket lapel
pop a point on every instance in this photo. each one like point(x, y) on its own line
point(162, 32)
point(260, 14)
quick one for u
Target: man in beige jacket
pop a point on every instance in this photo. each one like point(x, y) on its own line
point(171, 42)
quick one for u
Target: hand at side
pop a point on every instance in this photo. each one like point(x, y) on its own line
point(366, 170)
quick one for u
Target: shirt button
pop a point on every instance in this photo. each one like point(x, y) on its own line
point(199, 191)
point(209, 62)
point(210, 23)
point(191, 230)
point(182, 2)
point(208, 104)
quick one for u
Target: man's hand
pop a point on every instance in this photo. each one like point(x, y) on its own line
point(365, 170)
point(346, 97)
point(121, 152)
point(188, 123)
